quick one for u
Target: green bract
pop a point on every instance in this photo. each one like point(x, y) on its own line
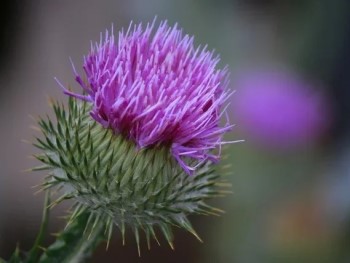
point(116, 183)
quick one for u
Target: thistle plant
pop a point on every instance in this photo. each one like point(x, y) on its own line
point(137, 148)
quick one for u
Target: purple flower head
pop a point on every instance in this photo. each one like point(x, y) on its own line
point(155, 88)
point(278, 109)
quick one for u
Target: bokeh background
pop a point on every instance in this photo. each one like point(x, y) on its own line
point(290, 65)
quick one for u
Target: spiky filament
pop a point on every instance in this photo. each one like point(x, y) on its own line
point(116, 182)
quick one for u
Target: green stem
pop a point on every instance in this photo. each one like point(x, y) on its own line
point(73, 245)
point(34, 252)
point(86, 246)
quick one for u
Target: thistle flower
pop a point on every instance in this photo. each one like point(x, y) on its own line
point(157, 89)
point(155, 103)
point(287, 111)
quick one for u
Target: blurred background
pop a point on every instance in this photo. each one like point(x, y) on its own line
point(290, 65)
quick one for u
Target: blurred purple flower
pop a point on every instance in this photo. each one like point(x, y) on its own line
point(156, 88)
point(280, 110)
